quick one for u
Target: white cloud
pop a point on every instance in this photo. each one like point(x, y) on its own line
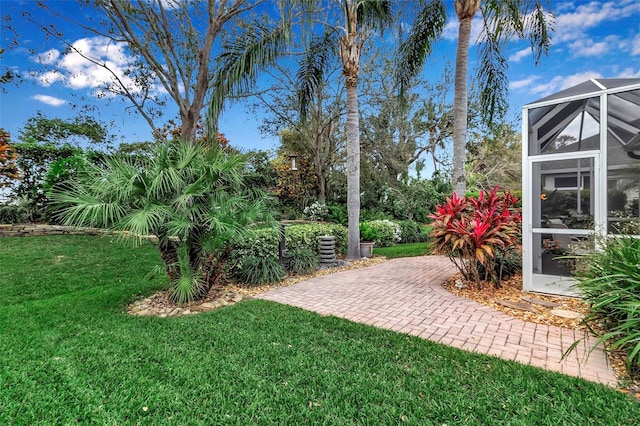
point(629, 73)
point(586, 48)
point(520, 84)
point(46, 79)
point(520, 55)
point(78, 73)
point(635, 46)
point(561, 82)
point(49, 100)
point(48, 57)
point(573, 24)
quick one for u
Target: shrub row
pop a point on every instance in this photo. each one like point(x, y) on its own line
point(257, 255)
point(385, 233)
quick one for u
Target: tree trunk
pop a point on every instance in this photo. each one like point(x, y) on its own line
point(322, 182)
point(169, 255)
point(353, 169)
point(465, 14)
point(212, 270)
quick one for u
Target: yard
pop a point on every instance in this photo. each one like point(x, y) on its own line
point(70, 354)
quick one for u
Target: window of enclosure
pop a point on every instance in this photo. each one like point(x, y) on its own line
point(623, 162)
point(565, 127)
point(555, 253)
point(562, 193)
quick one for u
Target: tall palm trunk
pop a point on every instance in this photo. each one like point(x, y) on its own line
point(353, 170)
point(350, 46)
point(465, 9)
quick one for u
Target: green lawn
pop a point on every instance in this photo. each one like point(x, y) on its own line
point(70, 355)
point(403, 250)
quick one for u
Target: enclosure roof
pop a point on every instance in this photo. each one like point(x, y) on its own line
point(593, 86)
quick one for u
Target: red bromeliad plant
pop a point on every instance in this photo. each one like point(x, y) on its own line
point(477, 233)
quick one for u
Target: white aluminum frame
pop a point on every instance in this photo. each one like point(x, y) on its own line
point(549, 283)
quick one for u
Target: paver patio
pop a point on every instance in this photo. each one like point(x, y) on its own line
point(406, 295)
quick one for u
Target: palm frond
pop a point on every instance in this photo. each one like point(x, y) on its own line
point(492, 77)
point(505, 20)
point(312, 69)
point(414, 51)
point(374, 14)
point(239, 65)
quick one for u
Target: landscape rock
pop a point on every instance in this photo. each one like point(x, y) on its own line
point(564, 313)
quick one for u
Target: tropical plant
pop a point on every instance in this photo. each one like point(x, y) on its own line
point(609, 280)
point(472, 231)
point(260, 270)
point(502, 21)
point(301, 260)
point(192, 197)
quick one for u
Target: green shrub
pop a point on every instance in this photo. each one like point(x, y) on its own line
point(506, 264)
point(384, 233)
point(260, 270)
point(337, 213)
point(301, 260)
point(412, 232)
point(263, 242)
point(306, 235)
point(609, 279)
point(14, 213)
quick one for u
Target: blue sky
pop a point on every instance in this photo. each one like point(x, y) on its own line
point(592, 39)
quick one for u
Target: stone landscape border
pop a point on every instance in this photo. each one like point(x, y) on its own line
point(29, 230)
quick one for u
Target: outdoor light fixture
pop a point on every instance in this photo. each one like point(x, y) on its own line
point(293, 157)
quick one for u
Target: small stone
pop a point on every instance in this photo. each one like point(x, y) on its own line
point(144, 313)
point(237, 298)
point(564, 313)
point(517, 305)
point(209, 305)
point(459, 284)
point(540, 302)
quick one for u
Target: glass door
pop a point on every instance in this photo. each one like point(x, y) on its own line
point(562, 219)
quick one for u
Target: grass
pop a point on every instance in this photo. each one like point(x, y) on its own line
point(71, 355)
point(403, 250)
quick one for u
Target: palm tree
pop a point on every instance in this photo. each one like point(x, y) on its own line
point(193, 198)
point(245, 56)
point(359, 17)
point(502, 21)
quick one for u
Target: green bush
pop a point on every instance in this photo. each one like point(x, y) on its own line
point(260, 270)
point(301, 260)
point(14, 213)
point(263, 242)
point(412, 232)
point(337, 213)
point(506, 264)
point(306, 235)
point(609, 279)
point(384, 233)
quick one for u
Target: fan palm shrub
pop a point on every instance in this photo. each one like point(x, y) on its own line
point(194, 198)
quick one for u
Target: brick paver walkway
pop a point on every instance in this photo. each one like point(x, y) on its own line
point(406, 295)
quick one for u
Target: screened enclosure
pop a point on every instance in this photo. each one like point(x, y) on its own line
point(581, 176)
